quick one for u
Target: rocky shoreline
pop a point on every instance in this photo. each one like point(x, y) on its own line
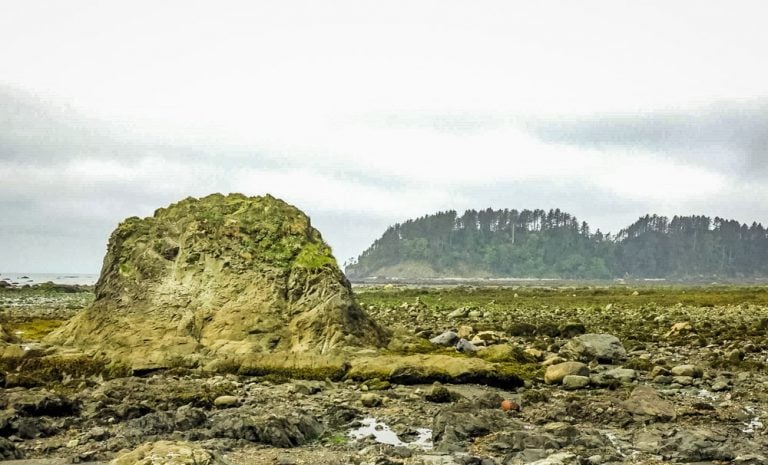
point(695, 390)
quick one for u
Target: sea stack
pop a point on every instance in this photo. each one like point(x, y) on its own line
point(216, 277)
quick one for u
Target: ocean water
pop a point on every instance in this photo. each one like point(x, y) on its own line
point(58, 278)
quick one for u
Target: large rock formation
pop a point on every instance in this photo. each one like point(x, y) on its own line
point(218, 276)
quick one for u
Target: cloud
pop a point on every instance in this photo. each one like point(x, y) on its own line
point(71, 179)
point(727, 137)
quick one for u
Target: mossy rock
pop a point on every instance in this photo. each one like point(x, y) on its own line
point(216, 277)
point(421, 369)
point(505, 353)
point(294, 366)
point(28, 371)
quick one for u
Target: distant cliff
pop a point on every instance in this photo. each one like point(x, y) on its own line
point(554, 244)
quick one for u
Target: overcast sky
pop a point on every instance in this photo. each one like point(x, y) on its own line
point(367, 113)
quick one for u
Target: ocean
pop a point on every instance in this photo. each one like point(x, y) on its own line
point(59, 278)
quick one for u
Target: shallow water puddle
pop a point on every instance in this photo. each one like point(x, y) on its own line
point(383, 434)
point(755, 424)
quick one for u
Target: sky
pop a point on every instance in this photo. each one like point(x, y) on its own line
point(367, 113)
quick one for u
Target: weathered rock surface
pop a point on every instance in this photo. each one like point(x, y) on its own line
point(168, 453)
point(221, 275)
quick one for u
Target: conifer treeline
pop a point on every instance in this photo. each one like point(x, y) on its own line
point(554, 244)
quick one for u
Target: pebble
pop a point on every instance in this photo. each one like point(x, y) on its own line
point(371, 400)
point(226, 401)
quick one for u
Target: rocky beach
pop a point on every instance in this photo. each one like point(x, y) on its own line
point(649, 383)
point(222, 332)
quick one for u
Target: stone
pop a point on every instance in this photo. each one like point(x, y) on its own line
point(465, 346)
point(218, 276)
point(277, 427)
point(465, 331)
point(168, 453)
point(36, 403)
point(226, 401)
point(427, 368)
point(459, 313)
point(571, 329)
point(455, 424)
point(721, 384)
point(599, 347)
point(644, 400)
point(679, 329)
point(534, 353)
point(489, 337)
point(9, 451)
point(371, 400)
point(439, 394)
point(625, 375)
point(98, 433)
point(555, 373)
point(559, 458)
point(691, 371)
point(501, 353)
point(575, 381)
point(448, 338)
point(735, 356)
point(696, 445)
point(552, 360)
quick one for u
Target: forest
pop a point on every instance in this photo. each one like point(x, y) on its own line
point(554, 244)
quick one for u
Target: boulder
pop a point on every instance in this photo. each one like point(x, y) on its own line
point(454, 426)
point(218, 276)
point(625, 375)
point(440, 394)
point(465, 346)
point(279, 427)
point(697, 445)
point(556, 373)
point(575, 381)
point(644, 400)
point(600, 347)
point(37, 402)
point(448, 338)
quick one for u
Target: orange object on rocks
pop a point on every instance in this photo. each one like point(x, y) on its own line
point(508, 405)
